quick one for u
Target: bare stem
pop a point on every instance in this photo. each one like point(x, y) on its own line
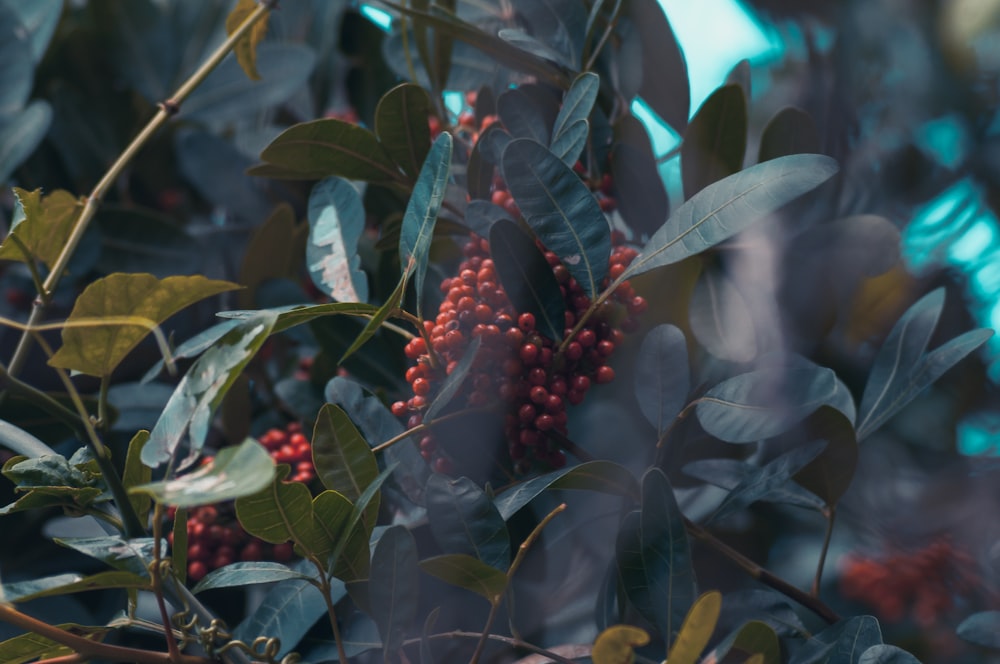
point(424, 427)
point(831, 516)
point(512, 642)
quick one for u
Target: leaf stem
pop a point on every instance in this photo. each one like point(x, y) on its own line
point(168, 109)
point(42, 400)
point(29, 260)
point(324, 587)
point(831, 516)
point(612, 22)
point(156, 575)
point(424, 427)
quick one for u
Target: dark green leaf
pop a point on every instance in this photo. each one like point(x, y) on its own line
point(336, 222)
point(570, 143)
point(903, 369)
point(343, 459)
point(577, 103)
point(830, 474)
point(178, 550)
point(332, 513)
point(246, 574)
point(463, 519)
point(422, 211)
point(721, 318)
point(234, 472)
point(790, 131)
point(527, 278)
point(493, 142)
point(453, 382)
point(664, 87)
point(401, 126)
point(67, 584)
point(394, 587)
point(663, 376)
point(376, 320)
point(715, 141)
point(558, 23)
point(765, 402)
point(982, 628)
point(481, 215)
point(602, 476)
point(467, 572)
point(274, 252)
point(560, 209)
point(32, 647)
point(280, 512)
point(522, 40)
point(127, 555)
point(740, 75)
point(137, 473)
point(202, 388)
point(478, 176)
point(754, 637)
point(321, 148)
point(522, 117)
point(654, 557)
point(729, 206)
point(885, 654)
point(639, 191)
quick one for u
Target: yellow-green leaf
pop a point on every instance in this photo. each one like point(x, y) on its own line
point(276, 250)
point(97, 349)
point(136, 473)
point(616, 644)
point(697, 629)
point(46, 225)
point(246, 48)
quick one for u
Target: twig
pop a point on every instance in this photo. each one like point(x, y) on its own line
point(381, 447)
point(512, 642)
point(831, 516)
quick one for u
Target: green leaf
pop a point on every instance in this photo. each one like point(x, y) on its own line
point(522, 116)
point(654, 557)
point(577, 103)
point(754, 637)
point(280, 512)
point(463, 519)
point(142, 240)
point(729, 206)
point(202, 388)
point(454, 381)
point(128, 555)
point(247, 574)
point(136, 473)
point(97, 349)
point(332, 514)
point(527, 43)
point(902, 366)
point(721, 318)
point(343, 459)
point(42, 225)
point(560, 209)
point(664, 87)
point(274, 252)
point(617, 644)
point(178, 550)
point(829, 475)
point(570, 143)
point(401, 126)
point(348, 543)
point(886, 654)
point(288, 317)
point(697, 629)
point(662, 376)
point(375, 322)
point(235, 472)
point(715, 141)
point(467, 572)
point(528, 278)
point(639, 190)
point(766, 402)
point(481, 215)
point(67, 584)
point(394, 587)
point(245, 49)
point(981, 628)
point(789, 131)
point(602, 476)
point(32, 647)
point(422, 211)
point(336, 222)
point(321, 148)
point(493, 142)
point(842, 643)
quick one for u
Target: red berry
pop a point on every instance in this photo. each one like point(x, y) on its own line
point(283, 552)
point(196, 570)
point(574, 351)
point(421, 387)
point(529, 353)
point(539, 394)
point(526, 322)
point(544, 422)
point(604, 374)
point(605, 348)
point(399, 408)
point(251, 552)
point(586, 337)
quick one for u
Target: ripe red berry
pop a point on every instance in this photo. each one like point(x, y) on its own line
point(421, 387)
point(605, 374)
point(399, 408)
point(539, 394)
point(196, 570)
point(526, 322)
point(529, 353)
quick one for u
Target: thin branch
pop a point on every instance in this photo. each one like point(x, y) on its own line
point(831, 516)
point(512, 642)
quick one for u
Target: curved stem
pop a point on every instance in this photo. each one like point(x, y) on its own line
point(830, 518)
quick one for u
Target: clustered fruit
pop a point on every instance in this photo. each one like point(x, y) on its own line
point(926, 582)
point(216, 538)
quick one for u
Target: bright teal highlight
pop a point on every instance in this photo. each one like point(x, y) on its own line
point(380, 18)
point(946, 139)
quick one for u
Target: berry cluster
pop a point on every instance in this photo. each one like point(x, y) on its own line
point(926, 581)
point(515, 362)
point(216, 538)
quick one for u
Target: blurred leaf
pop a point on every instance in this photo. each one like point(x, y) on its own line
point(654, 557)
point(842, 643)
point(467, 572)
point(227, 94)
point(142, 46)
point(662, 376)
point(721, 318)
point(527, 43)
point(561, 211)
point(697, 629)
point(401, 126)
point(296, 314)
point(394, 587)
point(789, 131)
point(493, 142)
point(39, 19)
point(665, 87)
point(128, 555)
point(98, 350)
point(202, 388)
point(577, 103)
point(215, 168)
point(729, 206)
point(902, 366)
point(639, 191)
point(478, 178)
point(321, 148)
point(766, 402)
point(41, 224)
point(570, 143)
point(616, 644)
point(336, 222)
point(16, 54)
point(19, 441)
point(21, 133)
point(463, 519)
point(558, 23)
point(343, 459)
point(981, 628)
point(247, 574)
point(67, 584)
point(715, 141)
point(140, 240)
point(234, 472)
point(481, 215)
point(885, 654)
point(136, 473)
point(527, 278)
point(740, 75)
point(422, 212)
point(454, 381)
point(245, 49)
point(274, 251)
point(602, 476)
point(522, 117)
point(830, 474)
point(753, 637)
point(280, 512)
